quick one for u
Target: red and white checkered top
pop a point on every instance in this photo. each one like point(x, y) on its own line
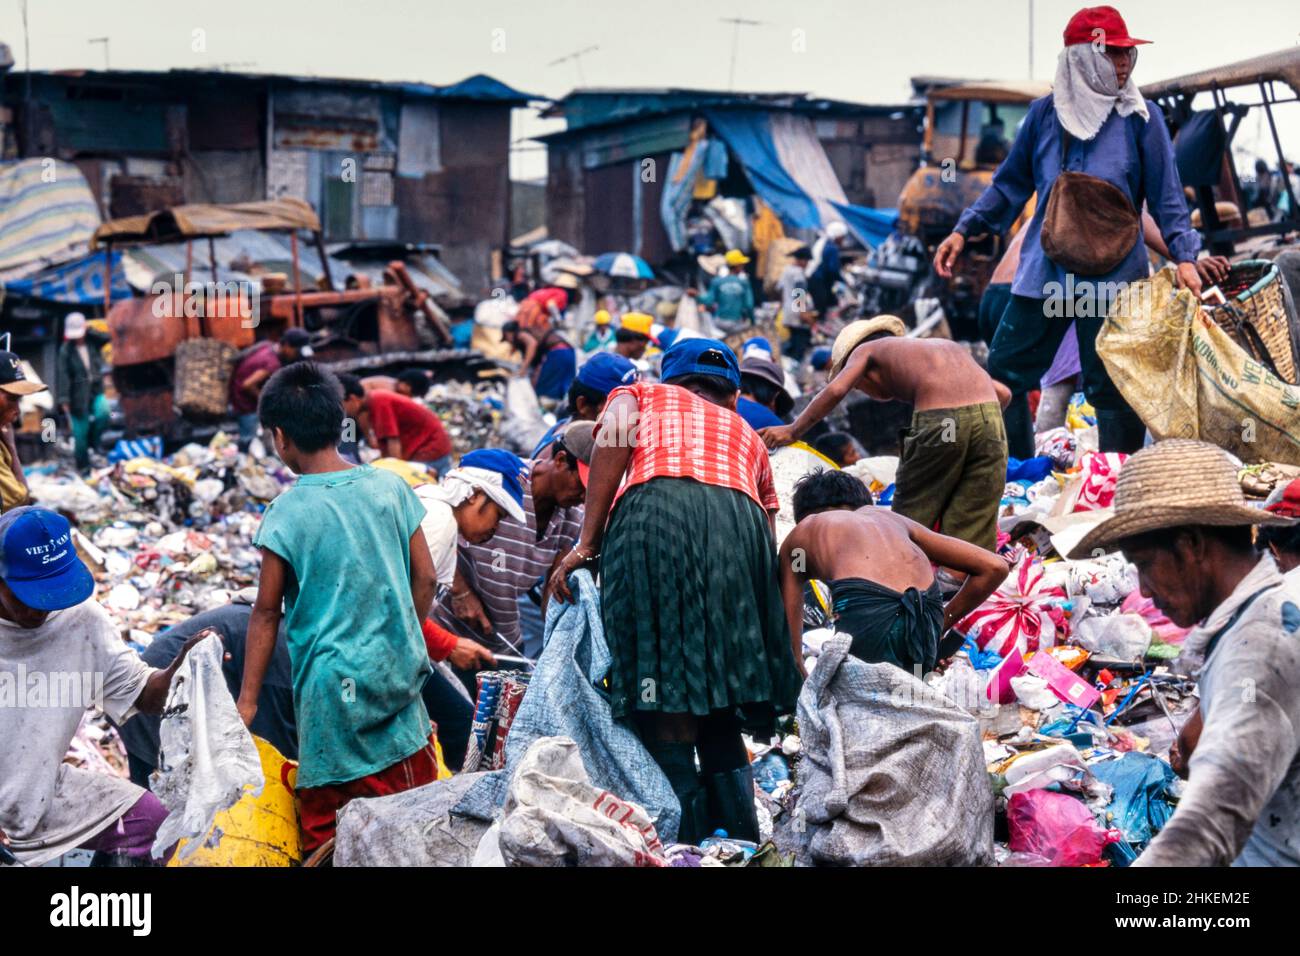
point(677, 434)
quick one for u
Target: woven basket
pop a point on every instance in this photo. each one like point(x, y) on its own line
point(1255, 316)
point(203, 370)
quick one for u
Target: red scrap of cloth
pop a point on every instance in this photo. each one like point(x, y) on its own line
point(318, 807)
point(680, 435)
point(420, 432)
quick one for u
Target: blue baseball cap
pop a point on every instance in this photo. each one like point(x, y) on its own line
point(606, 371)
point(701, 357)
point(509, 466)
point(757, 344)
point(821, 358)
point(39, 562)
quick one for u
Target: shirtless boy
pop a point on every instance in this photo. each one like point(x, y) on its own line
point(880, 568)
point(953, 467)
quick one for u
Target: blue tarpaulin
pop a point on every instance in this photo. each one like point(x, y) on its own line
point(871, 226)
point(79, 282)
point(748, 134)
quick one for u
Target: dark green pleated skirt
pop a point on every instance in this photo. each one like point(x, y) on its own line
point(691, 604)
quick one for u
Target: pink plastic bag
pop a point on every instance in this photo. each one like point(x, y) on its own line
point(1056, 826)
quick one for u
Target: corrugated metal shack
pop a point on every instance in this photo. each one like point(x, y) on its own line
point(599, 196)
point(409, 162)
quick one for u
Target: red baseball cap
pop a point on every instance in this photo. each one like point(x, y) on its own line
point(1099, 23)
point(1287, 504)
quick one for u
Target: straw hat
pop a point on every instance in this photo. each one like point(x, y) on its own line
point(853, 335)
point(1172, 484)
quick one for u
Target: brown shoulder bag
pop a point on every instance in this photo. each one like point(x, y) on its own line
point(1090, 225)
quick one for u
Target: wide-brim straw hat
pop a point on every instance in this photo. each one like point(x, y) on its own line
point(1173, 483)
point(853, 334)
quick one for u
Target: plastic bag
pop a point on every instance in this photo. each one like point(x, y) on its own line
point(1166, 630)
point(522, 426)
point(1037, 769)
point(412, 828)
point(1056, 827)
point(1121, 636)
point(207, 755)
point(1140, 807)
point(1092, 488)
point(553, 816)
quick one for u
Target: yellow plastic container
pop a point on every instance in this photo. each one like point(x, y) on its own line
point(256, 831)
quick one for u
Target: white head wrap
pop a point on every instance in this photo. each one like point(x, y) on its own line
point(1086, 89)
point(459, 484)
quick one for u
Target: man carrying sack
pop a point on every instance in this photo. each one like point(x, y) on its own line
point(1181, 519)
point(1094, 151)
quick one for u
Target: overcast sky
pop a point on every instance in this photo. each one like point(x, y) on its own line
point(861, 50)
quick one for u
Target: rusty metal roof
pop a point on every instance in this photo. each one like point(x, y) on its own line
point(198, 220)
point(1284, 66)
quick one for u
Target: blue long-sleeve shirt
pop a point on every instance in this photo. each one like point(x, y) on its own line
point(1135, 155)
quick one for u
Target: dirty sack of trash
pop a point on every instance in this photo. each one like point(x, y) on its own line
point(207, 758)
point(412, 828)
point(554, 816)
point(892, 773)
point(565, 698)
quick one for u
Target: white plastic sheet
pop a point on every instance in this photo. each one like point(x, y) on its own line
point(209, 761)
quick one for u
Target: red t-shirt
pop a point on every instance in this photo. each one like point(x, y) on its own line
point(419, 430)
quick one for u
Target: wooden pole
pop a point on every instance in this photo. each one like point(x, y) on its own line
point(297, 280)
point(324, 261)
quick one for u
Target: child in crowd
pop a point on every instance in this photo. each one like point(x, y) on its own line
point(840, 447)
point(345, 562)
point(880, 568)
point(953, 466)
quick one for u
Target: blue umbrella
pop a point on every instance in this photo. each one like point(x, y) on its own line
point(624, 265)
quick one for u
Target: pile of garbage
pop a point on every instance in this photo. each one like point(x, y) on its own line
point(166, 538)
point(471, 412)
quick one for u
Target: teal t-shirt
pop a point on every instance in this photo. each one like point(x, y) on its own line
point(355, 646)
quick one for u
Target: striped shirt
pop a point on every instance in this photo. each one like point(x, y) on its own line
point(677, 434)
point(503, 569)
